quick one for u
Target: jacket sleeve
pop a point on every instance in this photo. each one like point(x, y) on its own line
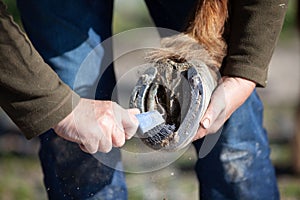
point(255, 26)
point(31, 93)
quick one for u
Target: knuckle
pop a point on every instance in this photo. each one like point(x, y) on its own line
point(118, 138)
point(113, 104)
point(129, 135)
point(92, 151)
point(90, 148)
point(102, 123)
point(106, 148)
point(130, 132)
point(119, 142)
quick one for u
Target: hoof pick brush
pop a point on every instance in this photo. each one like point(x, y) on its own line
point(153, 129)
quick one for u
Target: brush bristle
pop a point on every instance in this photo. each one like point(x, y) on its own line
point(157, 135)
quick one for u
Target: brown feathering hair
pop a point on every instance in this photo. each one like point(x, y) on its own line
point(202, 40)
point(208, 27)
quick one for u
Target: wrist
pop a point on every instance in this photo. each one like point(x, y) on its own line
point(236, 91)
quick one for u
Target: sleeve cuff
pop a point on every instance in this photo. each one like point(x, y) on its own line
point(55, 115)
point(237, 69)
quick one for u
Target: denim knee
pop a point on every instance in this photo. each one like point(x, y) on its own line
point(239, 167)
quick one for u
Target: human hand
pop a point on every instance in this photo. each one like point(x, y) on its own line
point(227, 97)
point(98, 125)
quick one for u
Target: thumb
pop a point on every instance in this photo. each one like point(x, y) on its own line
point(208, 118)
point(214, 111)
point(130, 122)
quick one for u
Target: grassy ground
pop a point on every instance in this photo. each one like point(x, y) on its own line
point(21, 179)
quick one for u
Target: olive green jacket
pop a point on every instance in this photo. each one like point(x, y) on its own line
point(36, 99)
point(30, 91)
point(254, 30)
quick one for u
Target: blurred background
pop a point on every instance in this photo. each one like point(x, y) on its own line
point(20, 173)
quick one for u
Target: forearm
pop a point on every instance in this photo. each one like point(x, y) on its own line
point(254, 30)
point(31, 93)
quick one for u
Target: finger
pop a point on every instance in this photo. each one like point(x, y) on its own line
point(111, 128)
point(206, 122)
point(209, 117)
point(215, 109)
point(134, 111)
point(82, 147)
point(105, 145)
point(70, 135)
point(91, 142)
point(114, 127)
point(118, 137)
point(89, 147)
point(130, 122)
point(211, 122)
point(200, 133)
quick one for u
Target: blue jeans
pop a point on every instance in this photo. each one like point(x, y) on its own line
point(65, 33)
point(239, 167)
